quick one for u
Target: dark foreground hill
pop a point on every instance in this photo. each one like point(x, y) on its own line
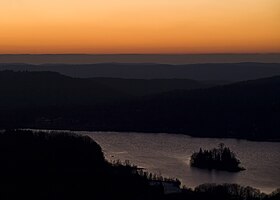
point(249, 109)
point(217, 72)
point(63, 166)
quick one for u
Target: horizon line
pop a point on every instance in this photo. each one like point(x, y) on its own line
point(127, 54)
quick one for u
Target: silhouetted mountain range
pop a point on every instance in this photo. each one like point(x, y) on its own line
point(248, 109)
point(142, 87)
point(23, 89)
point(52, 88)
point(217, 72)
point(139, 58)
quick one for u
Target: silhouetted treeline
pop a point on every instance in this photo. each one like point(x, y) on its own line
point(223, 192)
point(208, 71)
point(221, 158)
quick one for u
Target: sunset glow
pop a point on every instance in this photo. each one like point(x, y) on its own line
point(139, 26)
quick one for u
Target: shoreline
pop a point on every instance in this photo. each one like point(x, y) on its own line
point(143, 132)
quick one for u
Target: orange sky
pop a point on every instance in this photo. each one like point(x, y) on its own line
point(139, 26)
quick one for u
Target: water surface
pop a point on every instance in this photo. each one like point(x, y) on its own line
point(169, 155)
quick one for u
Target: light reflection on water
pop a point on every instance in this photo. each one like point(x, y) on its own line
point(168, 155)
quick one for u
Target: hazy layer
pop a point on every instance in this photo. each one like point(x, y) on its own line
point(152, 58)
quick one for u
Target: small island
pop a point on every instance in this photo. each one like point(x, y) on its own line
point(221, 158)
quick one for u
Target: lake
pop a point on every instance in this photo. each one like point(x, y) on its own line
point(169, 154)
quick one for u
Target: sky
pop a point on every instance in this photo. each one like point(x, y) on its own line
point(139, 26)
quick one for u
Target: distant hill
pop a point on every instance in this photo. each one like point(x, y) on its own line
point(54, 89)
point(142, 87)
point(26, 96)
point(205, 72)
point(23, 89)
point(248, 109)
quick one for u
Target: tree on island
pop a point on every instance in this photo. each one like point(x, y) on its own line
point(221, 158)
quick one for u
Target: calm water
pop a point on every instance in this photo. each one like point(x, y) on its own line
point(169, 155)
